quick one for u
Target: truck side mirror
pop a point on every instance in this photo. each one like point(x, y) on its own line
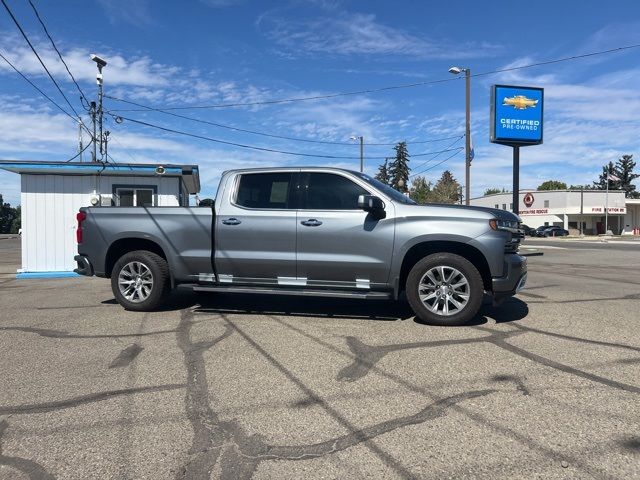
point(372, 204)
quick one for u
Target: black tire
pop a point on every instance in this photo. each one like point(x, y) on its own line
point(450, 262)
point(155, 295)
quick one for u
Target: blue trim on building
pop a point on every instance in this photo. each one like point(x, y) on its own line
point(28, 275)
point(90, 167)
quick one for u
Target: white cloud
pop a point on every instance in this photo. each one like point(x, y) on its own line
point(141, 71)
point(222, 3)
point(133, 12)
point(347, 33)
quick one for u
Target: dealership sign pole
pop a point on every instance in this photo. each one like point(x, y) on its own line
point(516, 121)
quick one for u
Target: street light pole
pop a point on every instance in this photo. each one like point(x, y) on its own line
point(467, 145)
point(361, 138)
point(467, 130)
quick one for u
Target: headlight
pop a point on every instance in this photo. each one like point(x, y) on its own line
point(506, 225)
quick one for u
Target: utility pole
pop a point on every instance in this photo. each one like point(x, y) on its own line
point(92, 111)
point(99, 112)
point(80, 138)
point(581, 209)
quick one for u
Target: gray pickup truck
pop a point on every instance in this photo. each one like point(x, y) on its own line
point(307, 231)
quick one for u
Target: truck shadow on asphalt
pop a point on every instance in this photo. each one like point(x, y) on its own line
point(512, 309)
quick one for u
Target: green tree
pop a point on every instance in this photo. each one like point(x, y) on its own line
point(17, 221)
point(552, 185)
point(383, 172)
point(7, 216)
point(399, 168)
point(624, 169)
point(601, 183)
point(420, 190)
point(492, 191)
point(446, 190)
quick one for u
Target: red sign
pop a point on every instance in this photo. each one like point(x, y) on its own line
point(535, 211)
point(528, 200)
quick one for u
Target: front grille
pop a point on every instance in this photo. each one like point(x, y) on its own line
point(513, 243)
point(512, 246)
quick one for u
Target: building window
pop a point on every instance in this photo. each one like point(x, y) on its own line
point(135, 195)
point(504, 206)
point(511, 206)
point(546, 204)
point(497, 206)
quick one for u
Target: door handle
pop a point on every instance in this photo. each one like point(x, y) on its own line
point(312, 222)
point(231, 221)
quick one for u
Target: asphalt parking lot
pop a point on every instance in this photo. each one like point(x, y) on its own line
point(228, 386)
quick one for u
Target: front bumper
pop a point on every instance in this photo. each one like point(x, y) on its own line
point(84, 266)
point(514, 279)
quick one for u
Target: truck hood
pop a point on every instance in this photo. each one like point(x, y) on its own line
point(469, 211)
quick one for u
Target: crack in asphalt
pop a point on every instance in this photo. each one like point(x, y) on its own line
point(534, 357)
point(48, 333)
point(33, 470)
point(240, 454)
point(367, 356)
point(474, 416)
point(577, 339)
point(208, 435)
point(44, 407)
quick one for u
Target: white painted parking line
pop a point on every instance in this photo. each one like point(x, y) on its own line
point(543, 246)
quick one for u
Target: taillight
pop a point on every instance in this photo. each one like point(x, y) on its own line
point(81, 217)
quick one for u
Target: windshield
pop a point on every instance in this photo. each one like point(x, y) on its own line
point(392, 193)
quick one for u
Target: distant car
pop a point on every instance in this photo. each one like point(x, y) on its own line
point(528, 230)
point(553, 232)
point(538, 231)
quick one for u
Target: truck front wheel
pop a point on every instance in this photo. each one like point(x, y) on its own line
point(140, 280)
point(445, 289)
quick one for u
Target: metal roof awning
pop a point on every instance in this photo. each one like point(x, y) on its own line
point(189, 173)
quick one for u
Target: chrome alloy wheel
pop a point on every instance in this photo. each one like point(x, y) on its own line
point(135, 282)
point(444, 290)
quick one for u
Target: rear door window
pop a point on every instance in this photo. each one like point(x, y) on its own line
point(265, 190)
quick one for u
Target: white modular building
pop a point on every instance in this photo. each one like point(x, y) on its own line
point(53, 192)
point(569, 208)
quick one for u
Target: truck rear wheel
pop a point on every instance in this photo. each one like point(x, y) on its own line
point(140, 280)
point(445, 289)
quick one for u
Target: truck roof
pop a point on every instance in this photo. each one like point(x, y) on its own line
point(288, 169)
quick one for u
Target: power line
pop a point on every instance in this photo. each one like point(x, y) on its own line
point(437, 164)
point(262, 149)
point(82, 95)
point(41, 62)
point(79, 153)
point(393, 87)
point(253, 132)
point(448, 146)
point(38, 89)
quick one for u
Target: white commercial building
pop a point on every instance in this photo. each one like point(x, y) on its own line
point(53, 192)
point(568, 208)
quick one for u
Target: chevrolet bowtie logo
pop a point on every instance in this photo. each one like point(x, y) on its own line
point(519, 102)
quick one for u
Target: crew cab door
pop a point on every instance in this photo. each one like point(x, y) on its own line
point(338, 244)
point(255, 235)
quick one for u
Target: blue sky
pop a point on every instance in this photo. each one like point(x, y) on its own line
point(203, 52)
